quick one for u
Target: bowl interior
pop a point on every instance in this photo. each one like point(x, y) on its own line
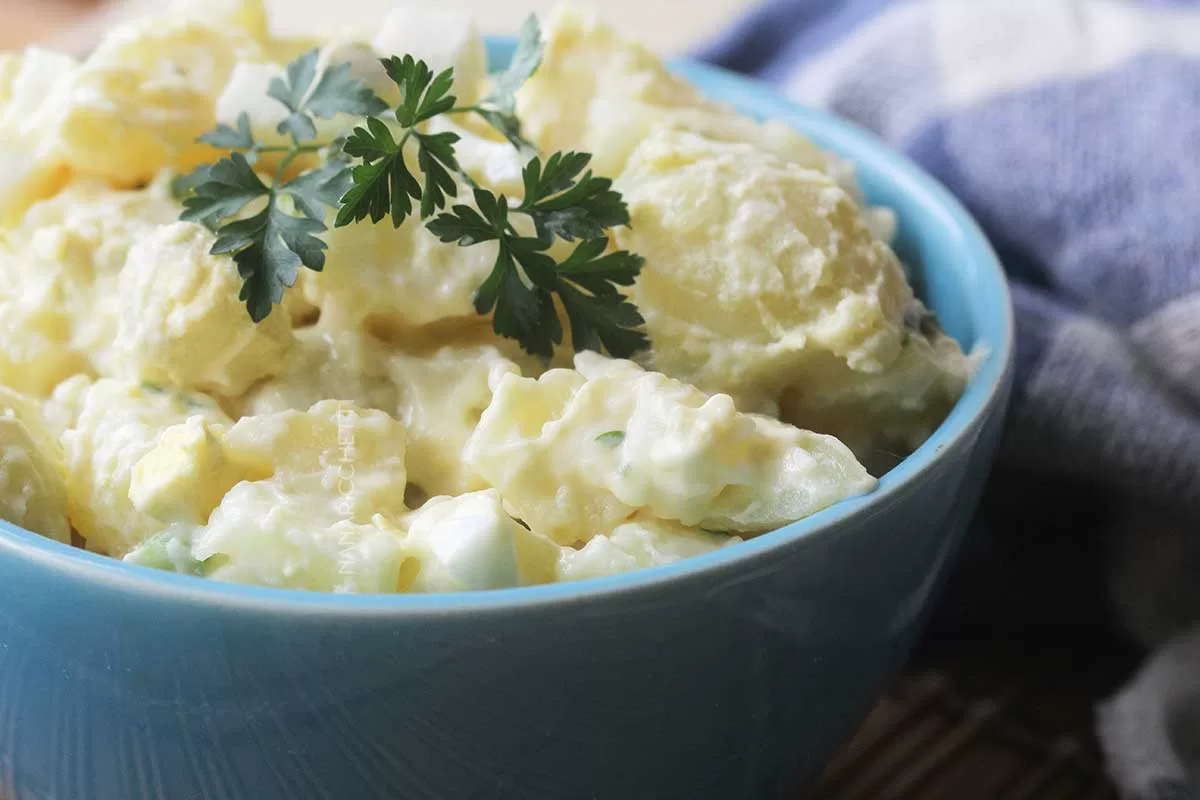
point(955, 270)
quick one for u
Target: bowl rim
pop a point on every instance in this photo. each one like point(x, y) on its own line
point(991, 313)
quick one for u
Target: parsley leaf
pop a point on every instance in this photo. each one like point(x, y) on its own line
point(423, 96)
point(498, 107)
point(313, 191)
point(382, 184)
point(510, 128)
point(525, 61)
point(523, 313)
point(435, 156)
point(340, 92)
point(268, 248)
point(371, 143)
point(223, 137)
point(183, 186)
point(524, 280)
point(604, 323)
point(515, 289)
point(271, 241)
point(291, 90)
point(597, 272)
point(337, 91)
point(221, 190)
point(463, 226)
point(562, 205)
point(557, 175)
point(601, 318)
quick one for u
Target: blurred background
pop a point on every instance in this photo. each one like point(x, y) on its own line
point(661, 24)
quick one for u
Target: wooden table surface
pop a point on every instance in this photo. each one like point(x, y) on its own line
point(36, 20)
point(985, 720)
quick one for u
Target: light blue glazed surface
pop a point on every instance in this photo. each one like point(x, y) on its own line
point(727, 676)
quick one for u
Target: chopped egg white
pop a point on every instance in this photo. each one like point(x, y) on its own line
point(468, 542)
point(443, 38)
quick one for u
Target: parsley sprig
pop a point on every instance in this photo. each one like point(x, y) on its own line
point(383, 183)
point(271, 226)
point(525, 278)
point(270, 245)
point(384, 186)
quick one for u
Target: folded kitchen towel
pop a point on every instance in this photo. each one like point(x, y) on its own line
point(1071, 130)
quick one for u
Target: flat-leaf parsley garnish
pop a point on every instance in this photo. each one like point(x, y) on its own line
point(335, 92)
point(525, 278)
point(392, 166)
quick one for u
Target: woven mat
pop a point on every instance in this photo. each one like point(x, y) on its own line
point(1003, 720)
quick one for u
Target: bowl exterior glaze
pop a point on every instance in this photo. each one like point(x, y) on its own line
point(729, 676)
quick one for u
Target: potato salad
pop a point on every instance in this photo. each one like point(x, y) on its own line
point(343, 312)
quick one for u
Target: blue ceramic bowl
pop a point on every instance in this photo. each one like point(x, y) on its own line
point(727, 676)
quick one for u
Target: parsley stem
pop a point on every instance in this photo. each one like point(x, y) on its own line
point(293, 152)
point(287, 161)
point(303, 148)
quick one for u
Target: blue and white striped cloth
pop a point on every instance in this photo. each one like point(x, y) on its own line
point(1071, 130)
